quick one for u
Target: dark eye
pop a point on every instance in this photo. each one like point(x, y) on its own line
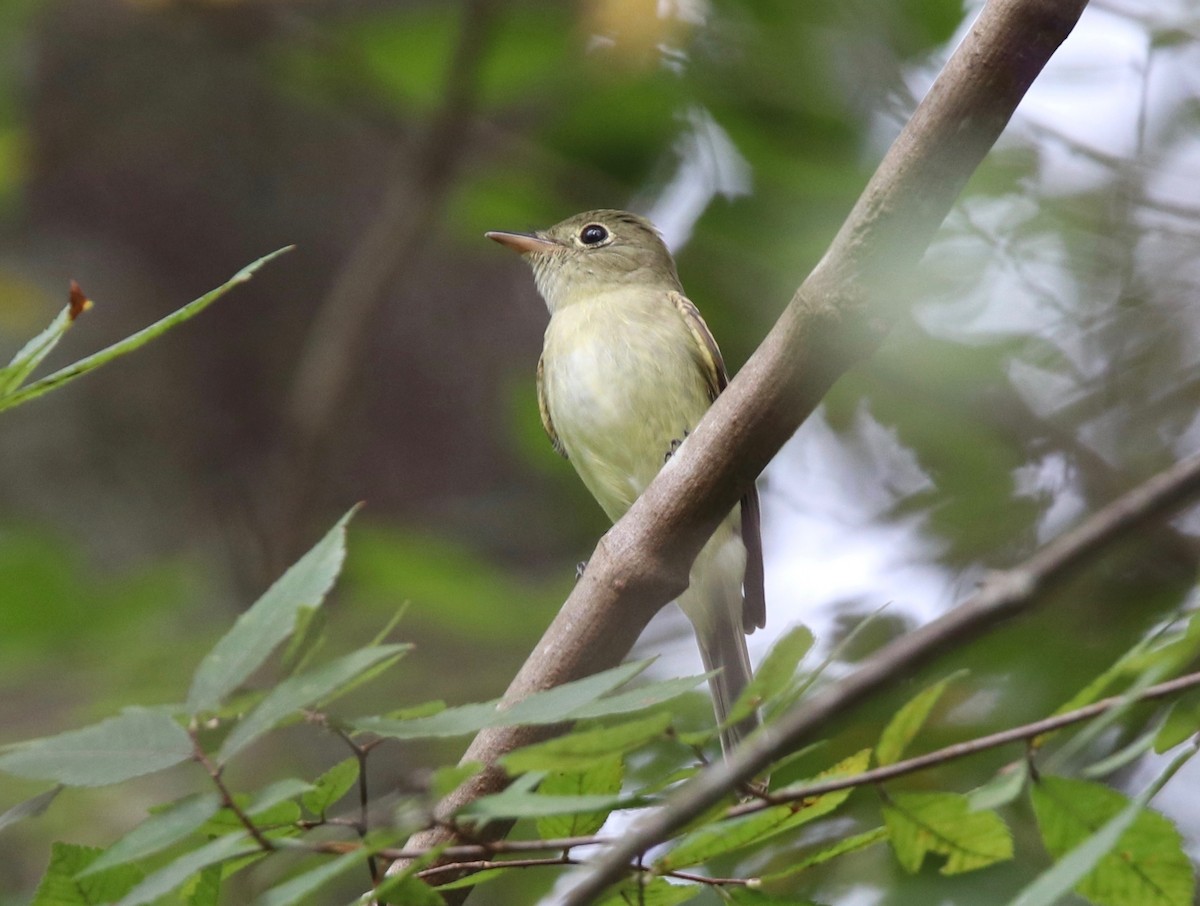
point(593, 234)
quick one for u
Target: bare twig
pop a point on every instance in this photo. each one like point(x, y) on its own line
point(836, 317)
point(963, 749)
point(227, 800)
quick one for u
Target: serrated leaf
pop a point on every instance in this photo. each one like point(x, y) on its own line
point(271, 619)
point(923, 823)
point(581, 749)
point(159, 831)
point(62, 886)
point(603, 778)
point(712, 840)
point(30, 808)
point(1120, 853)
point(301, 691)
point(331, 786)
point(553, 706)
point(137, 742)
point(848, 845)
point(645, 891)
point(904, 726)
point(130, 343)
point(172, 875)
point(775, 674)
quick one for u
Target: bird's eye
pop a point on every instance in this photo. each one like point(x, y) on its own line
point(593, 234)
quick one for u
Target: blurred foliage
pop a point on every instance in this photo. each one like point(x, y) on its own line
point(149, 148)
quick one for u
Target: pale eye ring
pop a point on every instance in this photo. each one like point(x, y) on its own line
point(593, 234)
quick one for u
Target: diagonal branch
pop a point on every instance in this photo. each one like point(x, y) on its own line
point(837, 316)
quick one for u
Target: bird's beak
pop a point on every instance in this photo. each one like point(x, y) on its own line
point(522, 243)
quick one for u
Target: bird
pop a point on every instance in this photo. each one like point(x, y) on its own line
point(628, 368)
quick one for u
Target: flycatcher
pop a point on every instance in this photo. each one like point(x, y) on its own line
point(627, 370)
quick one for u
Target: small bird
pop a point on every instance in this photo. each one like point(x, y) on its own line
point(628, 368)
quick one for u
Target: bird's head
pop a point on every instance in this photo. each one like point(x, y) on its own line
point(591, 253)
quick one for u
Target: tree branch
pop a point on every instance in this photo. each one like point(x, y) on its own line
point(837, 316)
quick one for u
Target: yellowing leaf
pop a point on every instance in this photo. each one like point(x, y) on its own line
point(923, 823)
point(903, 728)
point(1146, 867)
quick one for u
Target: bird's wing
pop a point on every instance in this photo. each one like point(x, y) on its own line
point(708, 356)
point(544, 410)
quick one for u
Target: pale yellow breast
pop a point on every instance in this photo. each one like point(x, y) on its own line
point(622, 384)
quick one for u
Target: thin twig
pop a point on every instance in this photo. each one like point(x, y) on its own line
point(962, 749)
point(227, 800)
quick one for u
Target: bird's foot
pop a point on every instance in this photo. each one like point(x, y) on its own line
point(675, 445)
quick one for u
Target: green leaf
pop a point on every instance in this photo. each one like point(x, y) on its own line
point(514, 803)
point(643, 891)
point(712, 840)
point(204, 889)
point(848, 845)
point(1182, 723)
point(331, 786)
point(137, 742)
point(1002, 789)
point(129, 344)
point(553, 706)
point(647, 695)
point(603, 778)
point(260, 629)
point(1119, 853)
point(775, 674)
point(30, 355)
point(304, 690)
point(278, 792)
point(582, 749)
point(62, 886)
point(30, 808)
point(172, 875)
point(299, 888)
point(904, 726)
point(451, 777)
point(409, 891)
point(308, 635)
point(1124, 756)
point(159, 831)
point(922, 823)
point(475, 878)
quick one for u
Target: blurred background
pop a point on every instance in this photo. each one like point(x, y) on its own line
point(1047, 360)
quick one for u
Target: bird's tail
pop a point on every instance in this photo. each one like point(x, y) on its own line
point(713, 603)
